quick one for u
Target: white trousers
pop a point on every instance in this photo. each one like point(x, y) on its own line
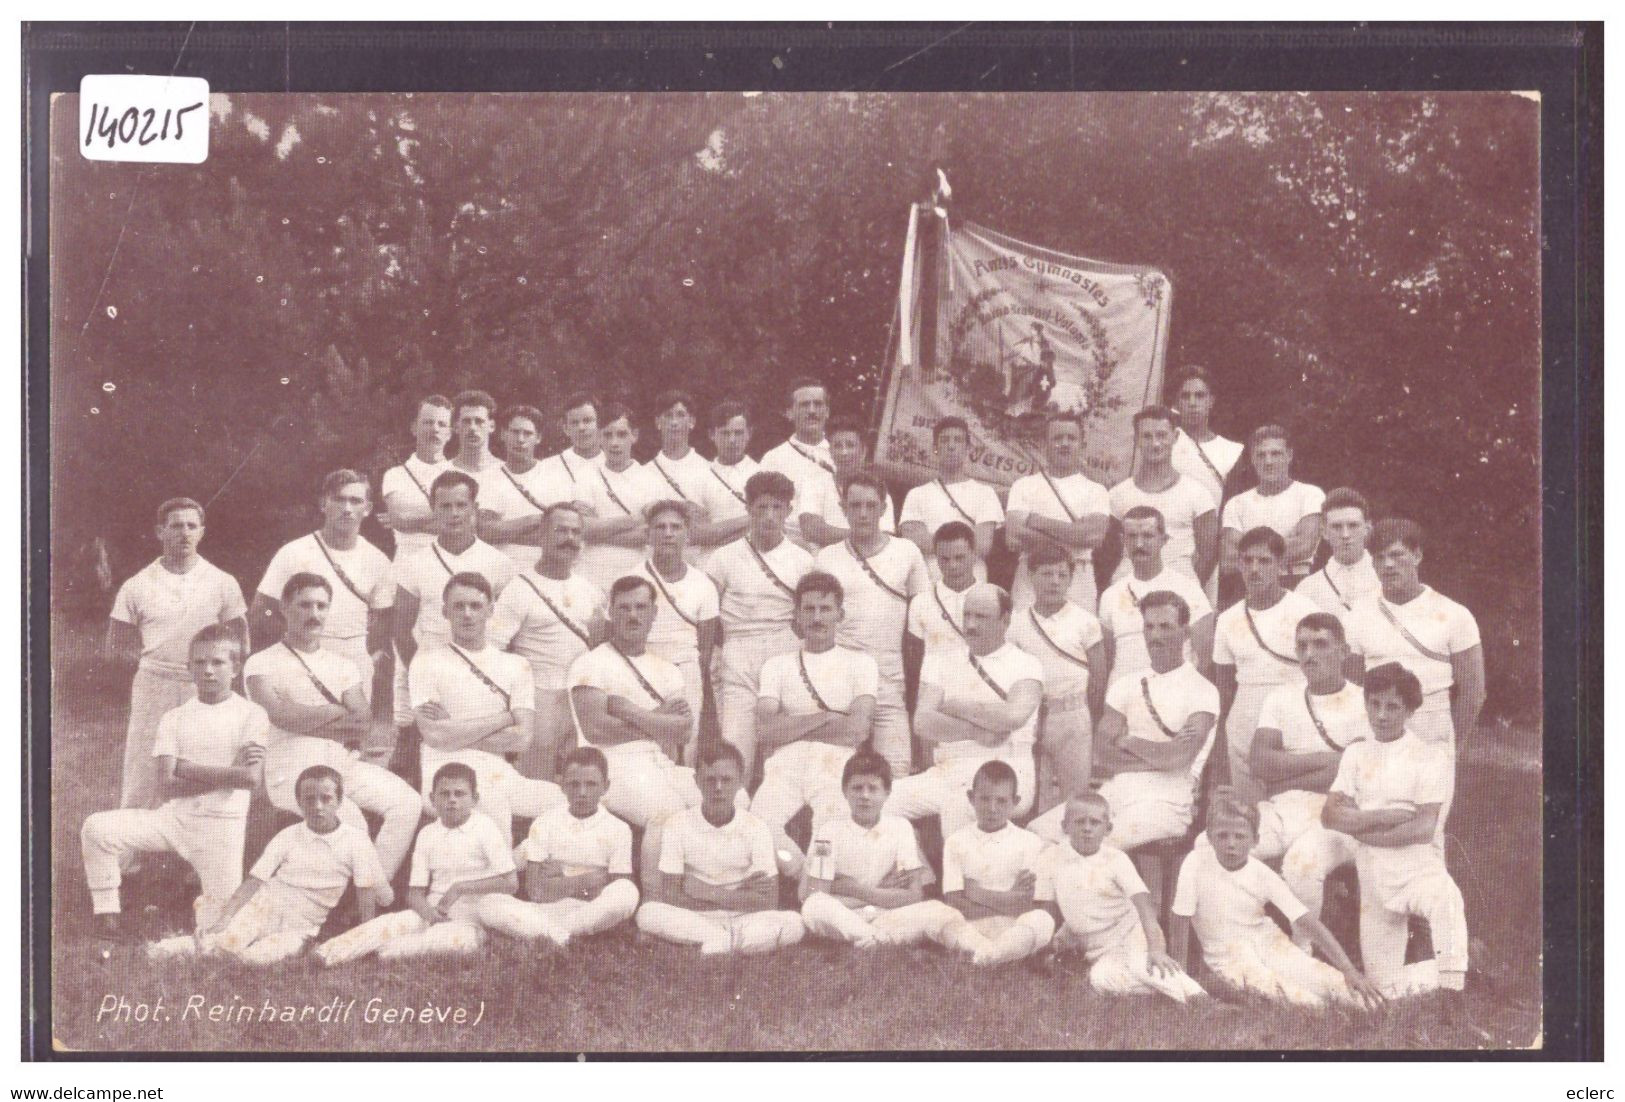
point(1066, 747)
point(555, 727)
point(645, 786)
point(1239, 727)
point(1432, 722)
point(892, 734)
point(562, 919)
point(1140, 815)
point(944, 790)
point(211, 844)
point(367, 787)
point(1121, 969)
point(503, 791)
point(694, 693)
point(1386, 904)
point(1314, 855)
point(998, 939)
point(406, 934)
point(274, 925)
point(1270, 965)
point(1082, 592)
point(867, 927)
point(151, 695)
point(719, 932)
point(738, 679)
point(801, 774)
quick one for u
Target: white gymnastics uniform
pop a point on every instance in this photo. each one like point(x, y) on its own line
point(942, 789)
point(868, 855)
point(570, 468)
point(937, 619)
point(446, 676)
point(167, 609)
point(1337, 589)
point(1241, 943)
point(1095, 896)
point(1208, 463)
point(801, 464)
point(423, 575)
point(615, 494)
point(513, 496)
point(680, 608)
point(645, 785)
point(821, 497)
point(807, 772)
point(367, 787)
point(757, 606)
point(1067, 500)
point(681, 480)
point(994, 860)
point(302, 875)
point(1149, 806)
point(599, 842)
point(876, 612)
point(1262, 661)
point(1120, 617)
point(549, 622)
point(1278, 512)
point(367, 585)
point(722, 492)
point(1061, 643)
point(205, 830)
point(1180, 505)
point(1288, 816)
point(405, 490)
point(723, 856)
point(1399, 881)
point(935, 503)
point(443, 856)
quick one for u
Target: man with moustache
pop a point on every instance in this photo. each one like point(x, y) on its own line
point(805, 455)
point(1189, 513)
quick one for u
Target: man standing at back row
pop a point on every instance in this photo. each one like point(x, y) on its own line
point(1058, 504)
point(954, 495)
point(1348, 579)
point(805, 456)
point(1189, 513)
point(1289, 508)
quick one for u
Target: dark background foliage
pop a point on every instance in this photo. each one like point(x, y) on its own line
point(1364, 268)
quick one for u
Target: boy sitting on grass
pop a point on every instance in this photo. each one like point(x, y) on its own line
point(458, 858)
point(578, 864)
point(1222, 892)
point(297, 880)
point(865, 881)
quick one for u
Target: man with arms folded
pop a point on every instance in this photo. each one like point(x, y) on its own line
point(1189, 513)
point(1120, 620)
point(1289, 508)
point(822, 515)
point(1060, 505)
point(512, 503)
point(722, 491)
point(952, 495)
point(616, 491)
point(806, 454)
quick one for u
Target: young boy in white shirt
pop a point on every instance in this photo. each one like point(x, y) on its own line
point(458, 858)
point(210, 755)
point(298, 879)
point(1107, 908)
point(865, 883)
point(578, 864)
point(1221, 894)
point(990, 876)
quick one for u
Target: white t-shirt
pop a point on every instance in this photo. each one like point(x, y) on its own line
point(957, 677)
point(874, 615)
point(1223, 454)
point(724, 855)
point(841, 676)
point(680, 608)
point(870, 854)
point(937, 618)
point(614, 494)
point(569, 468)
point(523, 623)
point(802, 464)
point(1180, 505)
point(1094, 893)
point(821, 497)
point(425, 573)
point(993, 860)
point(1406, 773)
point(968, 501)
point(320, 866)
point(1068, 499)
point(1178, 694)
point(680, 479)
point(1235, 645)
point(1337, 589)
point(503, 492)
point(444, 855)
point(168, 609)
point(438, 674)
point(1227, 906)
point(608, 670)
point(1121, 619)
point(722, 490)
point(405, 490)
point(1061, 643)
point(1440, 624)
point(365, 566)
point(212, 734)
point(1279, 512)
point(598, 842)
point(753, 604)
point(281, 667)
point(1342, 714)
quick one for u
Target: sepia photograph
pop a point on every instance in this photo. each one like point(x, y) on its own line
point(777, 571)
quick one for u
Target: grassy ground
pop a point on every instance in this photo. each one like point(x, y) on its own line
point(620, 993)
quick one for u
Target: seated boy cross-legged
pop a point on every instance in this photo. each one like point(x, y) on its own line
point(578, 864)
point(1107, 909)
point(865, 880)
point(1221, 894)
point(990, 874)
point(718, 884)
point(458, 858)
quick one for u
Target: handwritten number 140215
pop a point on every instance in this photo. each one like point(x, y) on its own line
point(135, 126)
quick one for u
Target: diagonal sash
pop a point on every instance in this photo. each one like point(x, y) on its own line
point(1423, 649)
point(669, 479)
point(524, 493)
point(422, 489)
point(1326, 572)
point(1156, 716)
point(944, 610)
point(603, 475)
point(1320, 728)
point(580, 632)
point(1056, 490)
point(507, 699)
point(567, 468)
point(327, 694)
point(654, 576)
point(811, 457)
point(869, 570)
point(761, 561)
point(1212, 469)
point(1259, 639)
point(339, 570)
point(637, 673)
point(1032, 614)
point(444, 565)
point(1004, 694)
point(953, 501)
point(806, 679)
point(728, 485)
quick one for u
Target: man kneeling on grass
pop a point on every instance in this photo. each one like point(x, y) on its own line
point(297, 880)
point(458, 858)
point(578, 864)
point(718, 882)
point(865, 881)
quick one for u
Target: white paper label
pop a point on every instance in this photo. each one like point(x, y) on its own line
point(144, 118)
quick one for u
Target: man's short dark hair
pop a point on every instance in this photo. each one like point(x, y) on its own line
point(439, 401)
point(474, 398)
point(1073, 416)
point(1323, 621)
point(469, 579)
point(818, 581)
point(341, 478)
point(319, 773)
point(1156, 413)
point(1392, 677)
point(610, 412)
point(1186, 374)
point(668, 398)
point(662, 507)
point(304, 580)
point(954, 530)
point(456, 771)
point(1263, 537)
point(1148, 512)
point(581, 398)
point(865, 478)
point(560, 507)
point(210, 634)
point(1269, 432)
point(589, 756)
point(866, 763)
point(845, 422)
point(1225, 803)
point(1046, 552)
point(178, 504)
point(773, 484)
point(802, 382)
point(628, 584)
point(1345, 498)
point(447, 480)
point(1167, 598)
point(529, 413)
point(1386, 533)
point(945, 423)
point(721, 750)
point(726, 411)
point(996, 772)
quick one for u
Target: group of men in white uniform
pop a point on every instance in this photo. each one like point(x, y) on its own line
point(566, 633)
